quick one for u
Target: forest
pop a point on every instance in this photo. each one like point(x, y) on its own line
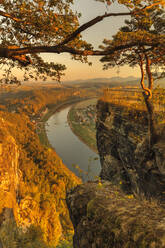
point(43, 178)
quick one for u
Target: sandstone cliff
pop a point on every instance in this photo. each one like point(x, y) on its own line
point(9, 168)
point(33, 183)
point(33, 190)
point(125, 208)
point(126, 157)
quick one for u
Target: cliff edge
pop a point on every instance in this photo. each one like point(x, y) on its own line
point(125, 208)
point(125, 152)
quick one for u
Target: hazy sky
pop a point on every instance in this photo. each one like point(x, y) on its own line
point(95, 35)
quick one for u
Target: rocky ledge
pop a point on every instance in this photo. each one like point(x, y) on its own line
point(104, 217)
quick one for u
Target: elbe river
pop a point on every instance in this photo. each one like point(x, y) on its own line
point(76, 155)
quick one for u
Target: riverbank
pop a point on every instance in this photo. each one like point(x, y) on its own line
point(84, 127)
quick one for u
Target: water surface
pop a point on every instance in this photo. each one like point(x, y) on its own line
point(68, 146)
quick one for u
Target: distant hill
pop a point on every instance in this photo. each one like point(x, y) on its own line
point(98, 82)
point(103, 80)
point(111, 82)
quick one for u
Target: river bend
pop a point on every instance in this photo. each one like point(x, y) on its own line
point(76, 155)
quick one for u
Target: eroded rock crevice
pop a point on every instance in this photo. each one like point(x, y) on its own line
point(125, 155)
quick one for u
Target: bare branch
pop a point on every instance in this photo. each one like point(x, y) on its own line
point(65, 49)
point(2, 13)
point(19, 54)
point(91, 23)
point(84, 26)
point(77, 31)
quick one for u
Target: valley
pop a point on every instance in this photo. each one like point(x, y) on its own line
point(35, 180)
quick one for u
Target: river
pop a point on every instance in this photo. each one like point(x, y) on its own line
point(76, 155)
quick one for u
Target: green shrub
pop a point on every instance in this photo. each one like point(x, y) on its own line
point(12, 236)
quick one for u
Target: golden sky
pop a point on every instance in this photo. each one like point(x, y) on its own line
point(95, 35)
point(77, 70)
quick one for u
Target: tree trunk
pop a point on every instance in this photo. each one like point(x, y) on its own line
point(151, 123)
point(149, 74)
point(147, 94)
point(149, 103)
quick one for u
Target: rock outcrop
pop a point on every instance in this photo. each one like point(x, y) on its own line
point(125, 155)
point(125, 208)
point(9, 168)
point(33, 182)
point(104, 217)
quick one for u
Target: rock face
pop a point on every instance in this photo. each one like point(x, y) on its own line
point(33, 179)
point(9, 169)
point(104, 217)
point(125, 155)
point(33, 183)
point(106, 214)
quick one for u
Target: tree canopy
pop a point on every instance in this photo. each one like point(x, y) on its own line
point(29, 28)
point(144, 26)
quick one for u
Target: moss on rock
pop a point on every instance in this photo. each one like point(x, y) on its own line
point(105, 217)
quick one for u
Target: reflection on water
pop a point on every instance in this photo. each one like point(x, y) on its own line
point(75, 154)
